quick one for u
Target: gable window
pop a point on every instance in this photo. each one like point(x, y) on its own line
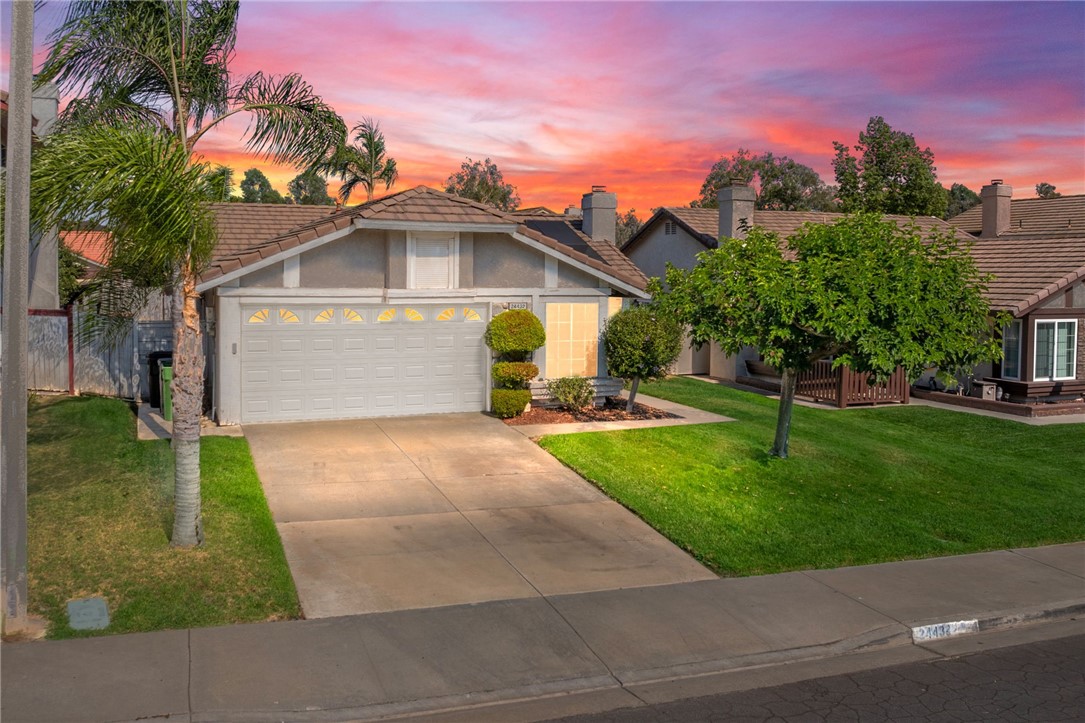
point(1056, 350)
point(670, 228)
point(1011, 350)
point(432, 260)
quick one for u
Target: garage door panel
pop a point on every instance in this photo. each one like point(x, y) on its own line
point(323, 344)
point(321, 367)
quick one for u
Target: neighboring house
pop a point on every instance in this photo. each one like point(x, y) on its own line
point(1035, 248)
point(379, 309)
point(676, 234)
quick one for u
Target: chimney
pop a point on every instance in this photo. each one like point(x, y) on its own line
point(736, 206)
point(996, 208)
point(600, 214)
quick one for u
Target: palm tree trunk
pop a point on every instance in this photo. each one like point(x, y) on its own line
point(188, 366)
point(788, 380)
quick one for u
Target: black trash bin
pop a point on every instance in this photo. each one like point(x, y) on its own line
point(154, 359)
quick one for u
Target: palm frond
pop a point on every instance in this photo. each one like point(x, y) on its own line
point(290, 122)
point(139, 183)
point(163, 56)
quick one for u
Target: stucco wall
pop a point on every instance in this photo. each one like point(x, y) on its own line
point(571, 278)
point(654, 250)
point(501, 262)
point(268, 277)
point(356, 261)
point(397, 259)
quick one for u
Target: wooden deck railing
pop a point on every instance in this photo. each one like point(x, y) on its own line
point(845, 387)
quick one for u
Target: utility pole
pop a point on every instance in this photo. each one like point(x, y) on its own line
point(13, 377)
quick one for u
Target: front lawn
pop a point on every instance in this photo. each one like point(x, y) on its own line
point(861, 485)
point(99, 519)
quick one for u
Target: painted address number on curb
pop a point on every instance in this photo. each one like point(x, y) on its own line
point(944, 630)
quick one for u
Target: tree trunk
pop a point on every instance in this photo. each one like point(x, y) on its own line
point(788, 380)
point(632, 395)
point(187, 409)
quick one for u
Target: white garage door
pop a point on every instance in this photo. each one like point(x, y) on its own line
point(344, 361)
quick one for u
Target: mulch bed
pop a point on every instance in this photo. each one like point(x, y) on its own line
point(613, 410)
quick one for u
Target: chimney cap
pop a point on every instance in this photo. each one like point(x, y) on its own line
point(598, 189)
point(736, 181)
point(996, 181)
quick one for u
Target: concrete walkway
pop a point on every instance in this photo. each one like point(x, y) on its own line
point(535, 658)
point(411, 512)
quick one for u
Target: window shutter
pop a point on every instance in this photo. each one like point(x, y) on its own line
point(431, 264)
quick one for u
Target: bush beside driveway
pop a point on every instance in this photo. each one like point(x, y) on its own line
point(862, 486)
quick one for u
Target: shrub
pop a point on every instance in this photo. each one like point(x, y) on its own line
point(508, 403)
point(514, 334)
point(641, 343)
point(572, 392)
point(513, 375)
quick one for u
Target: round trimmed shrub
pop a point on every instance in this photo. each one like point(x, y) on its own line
point(513, 375)
point(572, 392)
point(508, 403)
point(641, 343)
point(514, 334)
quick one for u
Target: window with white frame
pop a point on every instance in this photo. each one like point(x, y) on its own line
point(432, 260)
point(1011, 350)
point(1056, 350)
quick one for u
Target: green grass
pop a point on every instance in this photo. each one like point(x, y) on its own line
point(861, 486)
point(99, 519)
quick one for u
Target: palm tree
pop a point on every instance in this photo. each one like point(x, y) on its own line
point(364, 164)
point(154, 79)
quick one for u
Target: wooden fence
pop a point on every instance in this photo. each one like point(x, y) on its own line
point(846, 388)
point(59, 360)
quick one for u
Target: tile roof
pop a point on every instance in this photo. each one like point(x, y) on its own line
point(1062, 217)
point(420, 204)
point(704, 223)
point(91, 245)
point(1028, 271)
point(239, 224)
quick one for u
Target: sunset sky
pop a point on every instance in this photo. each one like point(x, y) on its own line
point(644, 97)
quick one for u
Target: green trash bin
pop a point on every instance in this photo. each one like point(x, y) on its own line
point(165, 373)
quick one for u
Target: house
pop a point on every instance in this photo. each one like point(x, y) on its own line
point(380, 309)
point(676, 234)
point(1035, 249)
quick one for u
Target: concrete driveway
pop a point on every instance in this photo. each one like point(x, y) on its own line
point(414, 512)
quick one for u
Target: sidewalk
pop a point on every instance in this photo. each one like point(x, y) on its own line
point(544, 657)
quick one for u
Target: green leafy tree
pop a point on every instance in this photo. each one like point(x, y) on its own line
point(641, 342)
point(782, 184)
point(256, 188)
point(221, 183)
point(1046, 190)
point(628, 225)
point(152, 78)
point(70, 270)
point(365, 164)
point(868, 293)
point(890, 174)
point(482, 181)
point(308, 188)
point(961, 198)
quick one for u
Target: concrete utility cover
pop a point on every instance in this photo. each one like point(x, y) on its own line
point(90, 613)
